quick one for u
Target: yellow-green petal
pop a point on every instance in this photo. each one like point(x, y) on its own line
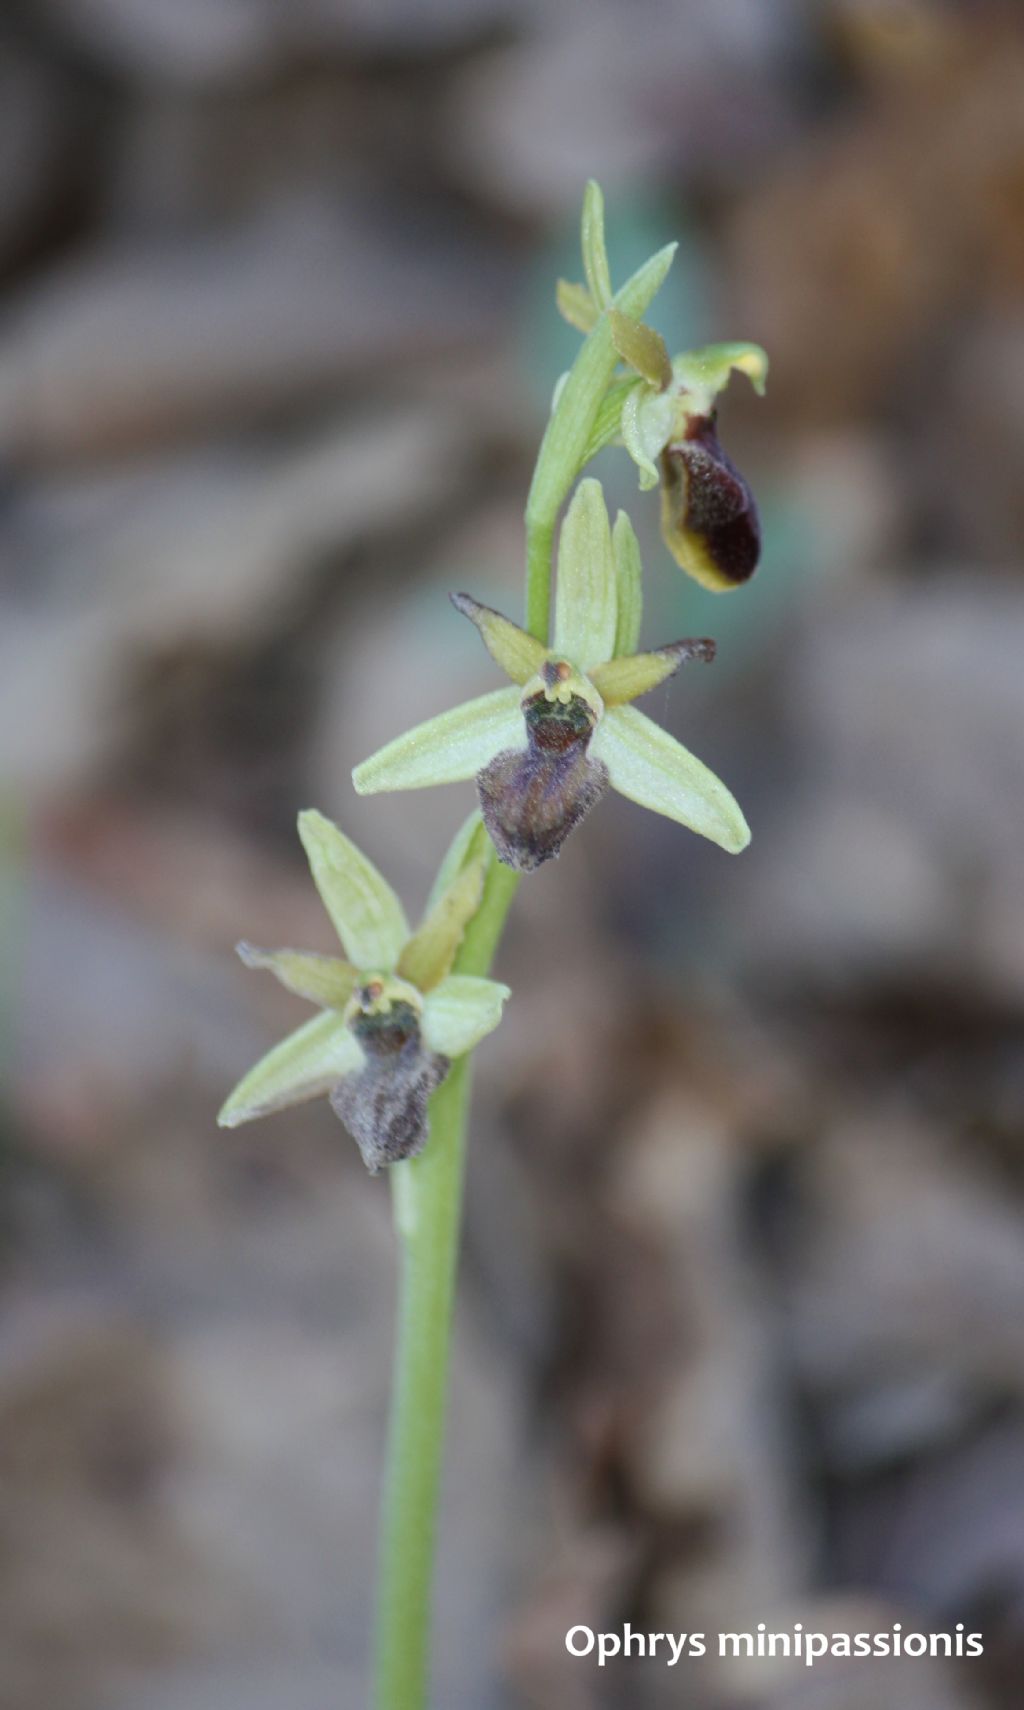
point(325, 980)
point(367, 915)
point(460, 1012)
point(430, 952)
point(629, 595)
point(626, 679)
point(649, 766)
point(519, 654)
point(308, 1064)
point(470, 842)
point(585, 596)
point(448, 748)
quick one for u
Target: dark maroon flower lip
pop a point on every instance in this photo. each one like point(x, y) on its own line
point(384, 1105)
point(531, 799)
point(709, 517)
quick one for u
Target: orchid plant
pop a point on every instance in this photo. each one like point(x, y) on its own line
point(401, 1012)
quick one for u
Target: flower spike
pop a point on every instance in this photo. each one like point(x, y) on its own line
point(545, 751)
point(392, 1017)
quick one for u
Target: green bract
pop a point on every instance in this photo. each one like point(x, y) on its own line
point(393, 1012)
point(544, 751)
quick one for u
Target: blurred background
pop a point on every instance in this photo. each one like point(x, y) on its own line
point(741, 1330)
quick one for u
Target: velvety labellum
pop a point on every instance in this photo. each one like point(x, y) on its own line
point(709, 517)
point(384, 1104)
point(531, 799)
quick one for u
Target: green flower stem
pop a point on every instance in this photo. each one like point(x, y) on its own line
point(428, 1204)
point(428, 1189)
point(540, 541)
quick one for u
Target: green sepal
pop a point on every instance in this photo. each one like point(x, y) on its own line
point(585, 594)
point(595, 253)
point(444, 750)
point(325, 980)
point(367, 915)
point(460, 1012)
point(651, 768)
point(705, 372)
point(629, 592)
point(308, 1064)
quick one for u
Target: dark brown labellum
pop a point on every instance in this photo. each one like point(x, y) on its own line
point(531, 799)
point(384, 1104)
point(709, 517)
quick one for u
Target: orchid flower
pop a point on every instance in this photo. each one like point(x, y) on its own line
point(664, 413)
point(545, 750)
point(393, 1015)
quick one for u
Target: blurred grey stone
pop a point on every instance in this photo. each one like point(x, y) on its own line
point(892, 843)
point(621, 94)
point(950, 1538)
point(205, 1489)
point(206, 44)
point(710, 1445)
point(109, 566)
point(124, 347)
point(193, 41)
point(906, 1299)
point(136, 1007)
point(964, 460)
point(38, 109)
